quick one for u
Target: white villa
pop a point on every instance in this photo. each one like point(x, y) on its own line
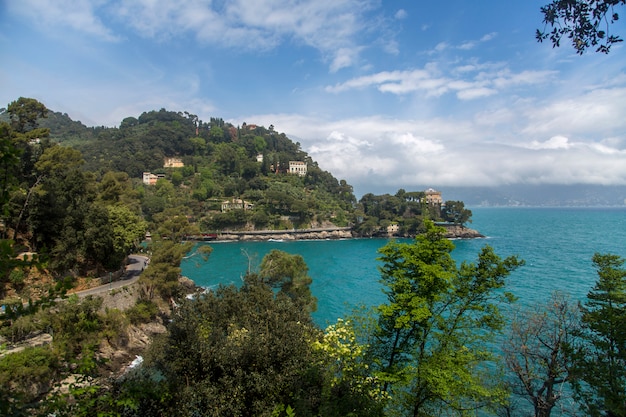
point(151, 179)
point(236, 204)
point(297, 167)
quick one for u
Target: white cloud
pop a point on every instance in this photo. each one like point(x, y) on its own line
point(555, 142)
point(334, 27)
point(434, 83)
point(401, 14)
point(475, 93)
point(506, 78)
point(467, 45)
point(344, 57)
point(488, 37)
point(588, 114)
point(79, 15)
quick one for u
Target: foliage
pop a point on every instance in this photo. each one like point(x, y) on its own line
point(289, 273)
point(455, 212)
point(30, 378)
point(407, 209)
point(128, 229)
point(24, 113)
point(586, 23)
point(430, 347)
point(24, 376)
point(142, 312)
point(237, 352)
point(536, 352)
point(161, 276)
point(600, 362)
point(14, 137)
point(350, 385)
point(76, 328)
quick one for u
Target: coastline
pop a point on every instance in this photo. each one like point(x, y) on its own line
point(327, 233)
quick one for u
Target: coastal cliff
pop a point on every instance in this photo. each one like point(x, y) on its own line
point(452, 232)
point(299, 234)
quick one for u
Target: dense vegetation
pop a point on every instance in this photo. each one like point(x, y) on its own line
point(74, 206)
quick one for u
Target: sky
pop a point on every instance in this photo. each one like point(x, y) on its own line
point(386, 94)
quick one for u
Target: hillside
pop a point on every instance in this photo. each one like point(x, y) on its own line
point(216, 161)
point(247, 165)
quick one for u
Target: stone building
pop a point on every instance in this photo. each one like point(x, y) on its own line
point(433, 197)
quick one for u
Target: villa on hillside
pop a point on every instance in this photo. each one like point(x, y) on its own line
point(393, 228)
point(151, 179)
point(236, 204)
point(298, 167)
point(433, 197)
point(173, 163)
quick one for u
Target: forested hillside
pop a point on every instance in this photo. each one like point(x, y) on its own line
point(219, 161)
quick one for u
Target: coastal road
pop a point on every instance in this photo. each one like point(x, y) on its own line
point(136, 264)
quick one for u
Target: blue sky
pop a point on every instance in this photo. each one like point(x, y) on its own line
point(385, 94)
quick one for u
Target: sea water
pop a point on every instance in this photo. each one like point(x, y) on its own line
point(557, 245)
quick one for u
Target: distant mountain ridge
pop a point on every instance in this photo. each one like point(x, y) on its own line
point(542, 195)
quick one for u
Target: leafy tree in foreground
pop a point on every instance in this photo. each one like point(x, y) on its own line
point(128, 228)
point(601, 362)
point(238, 352)
point(431, 342)
point(161, 276)
point(536, 353)
point(349, 385)
point(585, 22)
point(289, 273)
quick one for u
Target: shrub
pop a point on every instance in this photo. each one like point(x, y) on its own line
point(142, 312)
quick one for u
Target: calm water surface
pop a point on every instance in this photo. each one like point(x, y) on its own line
point(557, 245)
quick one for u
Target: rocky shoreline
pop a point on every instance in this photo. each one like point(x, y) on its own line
point(461, 232)
point(452, 232)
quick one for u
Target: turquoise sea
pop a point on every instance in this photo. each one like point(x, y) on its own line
point(556, 243)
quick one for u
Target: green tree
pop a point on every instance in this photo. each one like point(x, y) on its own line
point(289, 273)
point(238, 352)
point(98, 239)
point(128, 228)
point(456, 213)
point(601, 361)
point(536, 352)
point(116, 187)
point(349, 385)
point(430, 347)
point(161, 276)
point(24, 113)
point(24, 376)
point(173, 224)
point(586, 23)
point(217, 134)
point(60, 206)
point(9, 161)
point(259, 144)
